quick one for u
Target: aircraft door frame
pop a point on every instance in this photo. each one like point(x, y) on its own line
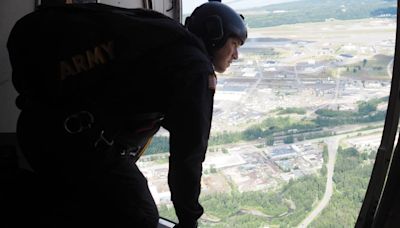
point(379, 205)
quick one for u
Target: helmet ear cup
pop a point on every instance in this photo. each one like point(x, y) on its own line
point(214, 28)
point(214, 23)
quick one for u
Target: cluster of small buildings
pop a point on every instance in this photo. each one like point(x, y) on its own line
point(248, 167)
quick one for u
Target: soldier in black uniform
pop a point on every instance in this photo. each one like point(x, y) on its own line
point(95, 83)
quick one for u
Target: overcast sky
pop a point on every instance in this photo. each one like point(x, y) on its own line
point(190, 5)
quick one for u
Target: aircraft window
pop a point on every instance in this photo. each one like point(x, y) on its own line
point(298, 118)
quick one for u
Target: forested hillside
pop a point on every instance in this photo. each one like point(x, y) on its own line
point(304, 11)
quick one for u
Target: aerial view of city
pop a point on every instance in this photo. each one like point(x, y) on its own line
point(300, 98)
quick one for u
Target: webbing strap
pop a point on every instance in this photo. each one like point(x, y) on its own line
point(142, 150)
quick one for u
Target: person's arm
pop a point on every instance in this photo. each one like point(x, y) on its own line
point(189, 121)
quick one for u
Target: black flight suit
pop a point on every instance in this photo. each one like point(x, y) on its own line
point(94, 59)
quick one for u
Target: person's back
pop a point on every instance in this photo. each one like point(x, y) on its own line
point(95, 83)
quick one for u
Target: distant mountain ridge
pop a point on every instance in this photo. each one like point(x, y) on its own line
point(304, 11)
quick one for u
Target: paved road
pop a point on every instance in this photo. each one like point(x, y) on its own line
point(333, 143)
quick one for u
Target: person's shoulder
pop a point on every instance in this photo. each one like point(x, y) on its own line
point(188, 54)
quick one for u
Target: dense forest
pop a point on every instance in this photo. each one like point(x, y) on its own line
point(285, 207)
point(351, 177)
point(159, 144)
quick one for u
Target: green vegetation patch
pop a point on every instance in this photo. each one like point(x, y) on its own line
point(286, 127)
point(292, 110)
point(159, 144)
point(287, 206)
point(369, 68)
point(367, 112)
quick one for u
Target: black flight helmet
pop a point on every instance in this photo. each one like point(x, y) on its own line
point(214, 23)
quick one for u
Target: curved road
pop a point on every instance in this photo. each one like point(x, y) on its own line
point(333, 143)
